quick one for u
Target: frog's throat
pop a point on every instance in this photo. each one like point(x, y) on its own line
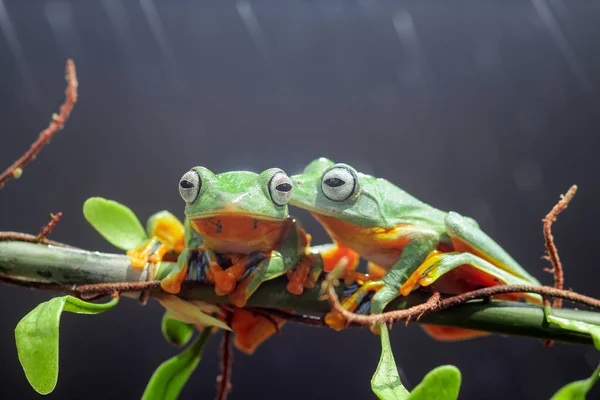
point(239, 233)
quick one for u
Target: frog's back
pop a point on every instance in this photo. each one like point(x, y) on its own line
point(401, 208)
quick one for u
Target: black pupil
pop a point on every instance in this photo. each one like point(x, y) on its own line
point(334, 182)
point(284, 187)
point(186, 184)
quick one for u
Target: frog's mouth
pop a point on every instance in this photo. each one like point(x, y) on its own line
point(238, 232)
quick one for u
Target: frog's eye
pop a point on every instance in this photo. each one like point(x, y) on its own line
point(189, 186)
point(339, 183)
point(280, 188)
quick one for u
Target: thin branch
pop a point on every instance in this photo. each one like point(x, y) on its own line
point(57, 123)
point(47, 229)
point(88, 273)
point(552, 252)
point(25, 237)
point(224, 379)
point(434, 304)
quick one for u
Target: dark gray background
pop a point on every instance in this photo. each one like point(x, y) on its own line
point(487, 108)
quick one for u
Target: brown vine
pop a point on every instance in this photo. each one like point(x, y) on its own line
point(551, 250)
point(47, 229)
point(57, 123)
point(224, 379)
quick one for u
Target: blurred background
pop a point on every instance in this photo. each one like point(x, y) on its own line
point(484, 107)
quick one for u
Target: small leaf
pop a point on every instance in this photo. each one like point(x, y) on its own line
point(190, 312)
point(578, 326)
point(171, 376)
point(176, 332)
point(386, 382)
point(115, 222)
point(577, 390)
point(441, 383)
point(574, 390)
point(37, 338)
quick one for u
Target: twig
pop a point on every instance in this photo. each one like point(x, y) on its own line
point(47, 229)
point(57, 123)
point(88, 274)
point(552, 252)
point(25, 237)
point(224, 379)
point(434, 304)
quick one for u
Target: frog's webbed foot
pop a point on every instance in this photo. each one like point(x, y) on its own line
point(305, 274)
point(259, 268)
point(166, 233)
point(152, 251)
point(336, 320)
point(226, 279)
point(251, 330)
point(172, 282)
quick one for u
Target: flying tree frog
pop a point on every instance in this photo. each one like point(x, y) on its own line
point(407, 242)
point(238, 234)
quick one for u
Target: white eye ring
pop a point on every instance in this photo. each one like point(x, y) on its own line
point(339, 183)
point(189, 186)
point(280, 188)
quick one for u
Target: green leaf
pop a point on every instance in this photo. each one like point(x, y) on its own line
point(176, 332)
point(386, 382)
point(441, 383)
point(171, 376)
point(577, 390)
point(37, 338)
point(115, 222)
point(578, 326)
point(574, 390)
point(191, 312)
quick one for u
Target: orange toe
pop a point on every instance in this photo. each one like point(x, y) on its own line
point(224, 282)
point(296, 288)
point(172, 283)
point(335, 320)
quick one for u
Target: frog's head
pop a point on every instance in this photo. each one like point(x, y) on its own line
point(336, 190)
point(236, 211)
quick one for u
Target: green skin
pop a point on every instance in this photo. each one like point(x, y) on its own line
point(377, 203)
point(247, 194)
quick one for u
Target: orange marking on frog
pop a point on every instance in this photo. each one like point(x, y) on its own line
point(448, 334)
point(251, 330)
point(231, 233)
point(382, 246)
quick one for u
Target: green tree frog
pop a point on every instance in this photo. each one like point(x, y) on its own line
point(237, 234)
point(407, 242)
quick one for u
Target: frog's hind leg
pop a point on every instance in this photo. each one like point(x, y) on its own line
point(474, 272)
point(251, 330)
point(467, 237)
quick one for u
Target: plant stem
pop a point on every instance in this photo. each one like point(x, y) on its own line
point(29, 262)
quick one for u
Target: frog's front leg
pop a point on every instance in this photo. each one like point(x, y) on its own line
point(419, 244)
point(271, 266)
point(172, 282)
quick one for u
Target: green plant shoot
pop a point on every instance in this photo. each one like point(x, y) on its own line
point(37, 338)
point(171, 376)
